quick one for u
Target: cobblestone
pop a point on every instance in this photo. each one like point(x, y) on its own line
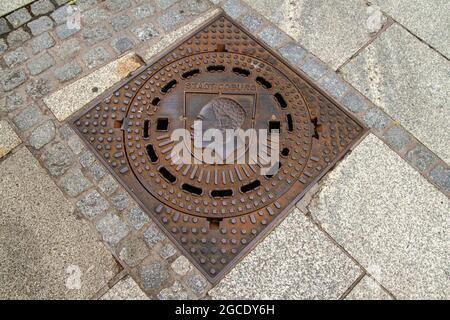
point(64, 32)
point(4, 28)
point(333, 85)
point(376, 119)
point(174, 292)
point(145, 32)
point(120, 201)
point(234, 8)
point(57, 159)
point(120, 22)
point(3, 46)
point(397, 138)
point(108, 185)
point(17, 37)
point(19, 17)
point(112, 229)
point(16, 57)
point(153, 275)
point(167, 251)
point(420, 157)
point(133, 251)
point(60, 15)
point(40, 25)
point(164, 4)
point(152, 235)
point(42, 7)
point(38, 88)
point(12, 101)
point(40, 64)
point(96, 57)
point(197, 283)
point(293, 53)
point(144, 11)
point(137, 217)
point(170, 20)
point(273, 37)
point(94, 16)
point(181, 266)
point(12, 79)
point(42, 42)
point(117, 5)
point(122, 45)
point(9, 139)
point(42, 135)
point(74, 182)
point(313, 67)
point(68, 49)
point(252, 22)
point(29, 117)
point(89, 162)
point(95, 34)
point(354, 102)
point(68, 71)
point(93, 205)
point(441, 176)
point(75, 144)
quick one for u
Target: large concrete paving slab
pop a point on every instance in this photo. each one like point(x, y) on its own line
point(8, 138)
point(125, 289)
point(429, 20)
point(45, 251)
point(390, 219)
point(410, 81)
point(295, 261)
point(368, 289)
point(331, 32)
point(7, 6)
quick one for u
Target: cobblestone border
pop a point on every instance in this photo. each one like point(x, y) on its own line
point(37, 59)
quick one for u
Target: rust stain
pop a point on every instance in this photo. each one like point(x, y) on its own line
point(126, 66)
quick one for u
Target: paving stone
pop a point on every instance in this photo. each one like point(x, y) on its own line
point(252, 22)
point(390, 219)
point(4, 28)
point(125, 289)
point(368, 289)
point(40, 25)
point(75, 144)
point(42, 7)
point(3, 46)
point(29, 117)
point(313, 67)
point(108, 184)
point(95, 34)
point(145, 32)
point(174, 292)
point(39, 88)
point(19, 17)
point(12, 101)
point(42, 42)
point(118, 5)
point(17, 37)
point(144, 11)
point(96, 57)
point(42, 134)
point(197, 283)
point(61, 2)
point(420, 157)
point(167, 251)
point(181, 266)
point(153, 275)
point(16, 57)
point(9, 139)
point(74, 183)
point(333, 85)
point(94, 16)
point(57, 159)
point(64, 31)
point(133, 251)
point(441, 176)
point(73, 97)
point(331, 32)
point(295, 261)
point(61, 14)
point(47, 253)
point(409, 81)
point(273, 37)
point(354, 102)
point(293, 53)
point(120, 22)
point(89, 162)
point(112, 229)
point(68, 49)
point(170, 20)
point(397, 138)
point(234, 8)
point(93, 205)
point(40, 64)
point(68, 71)
point(136, 217)
point(120, 201)
point(376, 119)
point(153, 235)
point(12, 79)
point(122, 45)
point(164, 4)
point(426, 19)
point(86, 4)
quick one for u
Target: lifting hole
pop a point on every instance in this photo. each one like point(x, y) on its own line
point(168, 86)
point(242, 72)
point(221, 48)
point(290, 123)
point(118, 124)
point(317, 127)
point(214, 223)
point(218, 68)
point(280, 100)
point(285, 152)
point(250, 186)
point(162, 124)
point(151, 153)
point(167, 175)
point(192, 189)
point(146, 129)
point(221, 193)
point(191, 73)
point(156, 101)
point(263, 82)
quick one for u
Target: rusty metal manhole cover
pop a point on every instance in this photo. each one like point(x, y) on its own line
point(216, 213)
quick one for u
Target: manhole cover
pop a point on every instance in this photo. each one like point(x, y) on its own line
point(223, 77)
